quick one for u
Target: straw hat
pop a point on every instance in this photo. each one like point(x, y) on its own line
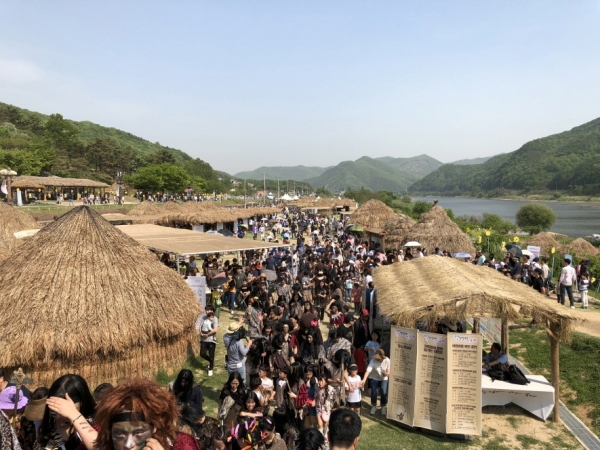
point(233, 327)
point(379, 355)
point(7, 398)
point(35, 409)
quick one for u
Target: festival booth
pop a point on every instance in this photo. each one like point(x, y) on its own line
point(436, 380)
point(436, 229)
point(82, 297)
point(396, 230)
point(372, 213)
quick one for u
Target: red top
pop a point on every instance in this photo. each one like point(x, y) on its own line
point(359, 357)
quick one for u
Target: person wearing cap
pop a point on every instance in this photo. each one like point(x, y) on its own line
point(480, 257)
point(354, 389)
point(236, 350)
point(32, 418)
point(378, 372)
point(7, 403)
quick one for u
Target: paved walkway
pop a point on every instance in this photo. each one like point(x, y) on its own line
point(581, 432)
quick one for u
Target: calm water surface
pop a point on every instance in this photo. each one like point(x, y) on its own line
point(574, 219)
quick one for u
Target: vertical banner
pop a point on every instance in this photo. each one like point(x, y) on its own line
point(403, 374)
point(198, 286)
point(464, 384)
point(430, 404)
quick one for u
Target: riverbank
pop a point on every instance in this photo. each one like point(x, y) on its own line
point(524, 198)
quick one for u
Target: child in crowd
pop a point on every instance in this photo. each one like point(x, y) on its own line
point(354, 397)
point(584, 285)
point(373, 345)
point(251, 409)
point(310, 410)
point(357, 297)
point(324, 404)
point(267, 386)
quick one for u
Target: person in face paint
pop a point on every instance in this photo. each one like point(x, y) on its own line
point(139, 415)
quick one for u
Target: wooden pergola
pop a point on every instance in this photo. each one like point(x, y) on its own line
point(428, 289)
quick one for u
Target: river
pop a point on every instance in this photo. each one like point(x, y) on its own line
point(575, 219)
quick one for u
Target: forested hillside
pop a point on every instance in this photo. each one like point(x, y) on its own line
point(417, 165)
point(36, 144)
point(567, 161)
point(364, 172)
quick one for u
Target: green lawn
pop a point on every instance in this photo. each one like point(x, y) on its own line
point(579, 369)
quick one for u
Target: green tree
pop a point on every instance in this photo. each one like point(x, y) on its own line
point(495, 222)
point(163, 156)
point(420, 207)
point(535, 217)
point(64, 135)
point(160, 178)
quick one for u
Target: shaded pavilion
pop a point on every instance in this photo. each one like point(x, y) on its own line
point(431, 288)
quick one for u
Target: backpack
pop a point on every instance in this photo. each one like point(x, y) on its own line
point(496, 373)
point(516, 376)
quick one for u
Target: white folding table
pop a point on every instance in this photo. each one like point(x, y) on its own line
point(537, 397)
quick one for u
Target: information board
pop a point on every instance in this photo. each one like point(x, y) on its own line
point(403, 359)
point(431, 383)
point(464, 384)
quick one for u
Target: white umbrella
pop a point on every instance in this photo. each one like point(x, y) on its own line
point(527, 252)
point(412, 244)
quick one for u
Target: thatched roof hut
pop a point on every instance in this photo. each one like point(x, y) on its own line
point(12, 220)
point(372, 213)
point(82, 297)
point(436, 229)
point(171, 208)
point(397, 228)
point(545, 241)
point(26, 184)
point(581, 247)
point(435, 287)
point(145, 209)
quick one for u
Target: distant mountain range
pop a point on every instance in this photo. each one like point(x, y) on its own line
point(470, 162)
point(296, 173)
point(383, 173)
point(563, 161)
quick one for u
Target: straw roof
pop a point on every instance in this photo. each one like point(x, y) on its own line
point(436, 229)
point(62, 182)
point(581, 247)
point(171, 207)
point(12, 220)
point(427, 289)
point(193, 207)
point(373, 213)
point(145, 209)
point(26, 184)
point(545, 241)
point(82, 297)
point(217, 215)
point(397, 228)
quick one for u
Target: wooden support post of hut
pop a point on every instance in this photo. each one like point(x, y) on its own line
point(555, 368)
point(504, 336)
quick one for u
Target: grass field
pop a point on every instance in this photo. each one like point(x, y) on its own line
point(504, 428)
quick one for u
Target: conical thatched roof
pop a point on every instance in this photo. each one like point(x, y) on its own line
point(171, 208)
point(397, 228)
point(145, 209)
point(372, 213)
point(12, 220)
point(82, 297)
point(545, 241)
point(436, 229)
point(435, 287)
point(581, 247)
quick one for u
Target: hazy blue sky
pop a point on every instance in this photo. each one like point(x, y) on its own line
point(247, 83)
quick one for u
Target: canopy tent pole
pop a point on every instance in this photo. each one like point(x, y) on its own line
point(555, 368)
point(504, 336)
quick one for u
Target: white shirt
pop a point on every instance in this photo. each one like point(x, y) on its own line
point(356, 396)
point(377, 370)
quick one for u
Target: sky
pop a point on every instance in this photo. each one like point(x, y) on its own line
point(242, 84)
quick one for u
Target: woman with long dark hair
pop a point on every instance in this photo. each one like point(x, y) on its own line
point(70, 409)
point(186, 392)
point(231, 399)
point(311, 352)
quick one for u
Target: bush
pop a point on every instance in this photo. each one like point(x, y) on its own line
point(535, 217)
